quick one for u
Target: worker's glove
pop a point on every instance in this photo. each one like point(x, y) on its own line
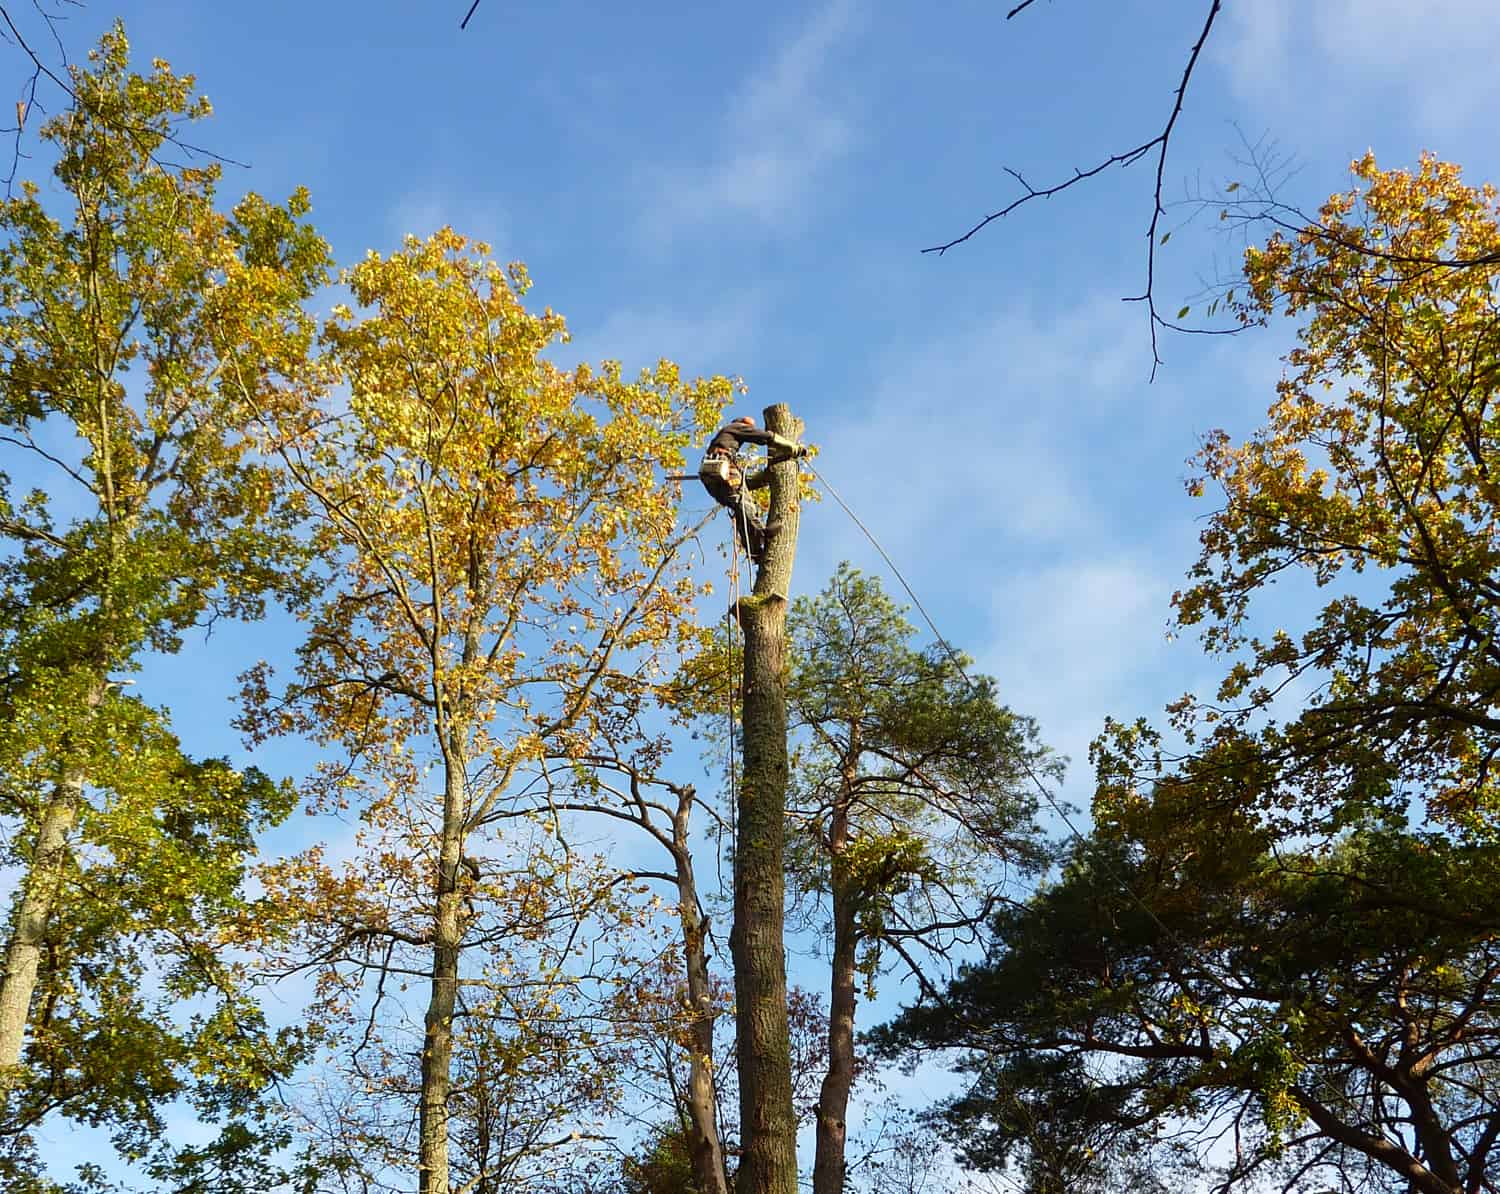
point(783, 448)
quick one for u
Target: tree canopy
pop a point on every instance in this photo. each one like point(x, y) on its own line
point(1274, 957)
point(493, 957)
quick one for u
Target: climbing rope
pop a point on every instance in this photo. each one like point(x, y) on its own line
point(741, 532)
point(730, 617)
point(1046, 794)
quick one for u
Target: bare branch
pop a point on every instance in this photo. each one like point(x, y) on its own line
point(1160, 143)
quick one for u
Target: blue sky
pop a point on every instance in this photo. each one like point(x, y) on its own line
point(746, 188)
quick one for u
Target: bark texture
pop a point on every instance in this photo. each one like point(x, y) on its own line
point(833, 1096)
point(41, 891)
point(437, 1043)
point(768, 1127)
point(39, 897)
point(709, 1172)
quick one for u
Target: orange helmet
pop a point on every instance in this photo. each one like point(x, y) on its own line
point(746, 419)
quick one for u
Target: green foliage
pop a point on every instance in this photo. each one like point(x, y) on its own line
point(664, 1165)
point(1300, 995)
point(1254, 939)
point(913, 797)
point(127, 302)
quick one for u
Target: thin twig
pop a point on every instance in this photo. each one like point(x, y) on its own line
point(1129, 157)
point(40, 70)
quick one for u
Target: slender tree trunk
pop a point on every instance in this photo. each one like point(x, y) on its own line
point(833, 1097)
point(42, 887)
point(39, 896)
point(709, 1172)
point(767, 1122)
point(40, 892)
point(437, 1044)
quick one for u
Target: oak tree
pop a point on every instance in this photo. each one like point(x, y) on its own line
point(1372, 480)
point(504, 568)
point(1255, 945)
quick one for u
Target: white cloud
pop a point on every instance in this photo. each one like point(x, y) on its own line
point(1078, 640)
point(1435, 62)
point(701, 340)
point(422, 211)
point(1010, 471)
point(782, 132)
point(983, 430)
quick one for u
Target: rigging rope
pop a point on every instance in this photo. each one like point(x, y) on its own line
point(1057, 807)
point(731, 617)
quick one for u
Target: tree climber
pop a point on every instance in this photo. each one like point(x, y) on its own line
point(723, 476)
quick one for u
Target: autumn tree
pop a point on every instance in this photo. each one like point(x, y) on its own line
point(135, 508)
point(1371, 479)
point(1255, 941)
point(505, 558)
point(912, 810)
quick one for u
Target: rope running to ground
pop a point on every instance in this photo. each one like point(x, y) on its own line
point(1014, 1093)
point(730, 617)
point(1057, 806)
point(1031, 774)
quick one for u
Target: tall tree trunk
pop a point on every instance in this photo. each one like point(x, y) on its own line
point(768, 1125)
point(709, 1172)
point(833, 1097)
point(39, 896)
point(437, 1043)
point(40, 892)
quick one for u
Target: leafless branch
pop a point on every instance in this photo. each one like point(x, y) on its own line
point(1160, 144)
point(40, 71)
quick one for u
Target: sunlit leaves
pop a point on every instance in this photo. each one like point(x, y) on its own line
point(1372, 476)
point(501, 593)
point(130, 301)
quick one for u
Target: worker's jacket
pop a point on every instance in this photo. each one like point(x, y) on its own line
point(728, 440)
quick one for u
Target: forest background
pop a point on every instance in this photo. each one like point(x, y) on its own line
point(746, 193)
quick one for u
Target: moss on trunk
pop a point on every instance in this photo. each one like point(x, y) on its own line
point(768, 1124)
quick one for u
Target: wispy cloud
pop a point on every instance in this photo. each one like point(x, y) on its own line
point(1080, 639)
point(711, 339)
point(422, 211)
point(982, 428)
point(782, 132)
point(1434, 62)
point(1007, 467)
